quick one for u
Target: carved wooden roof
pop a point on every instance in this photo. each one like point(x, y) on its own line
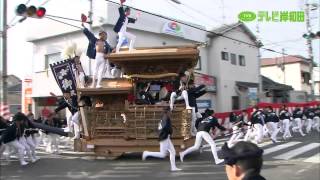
point(156, 60)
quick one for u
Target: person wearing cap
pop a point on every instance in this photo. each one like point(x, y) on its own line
point(243, 161)
point(97, 49)
point(285, 117)
point(204, 125)
point(297, 117)
point(12, 137)
point(180, 91)
point(257, 121)
point(165, 132)
point(121, 27)
point(271, 122)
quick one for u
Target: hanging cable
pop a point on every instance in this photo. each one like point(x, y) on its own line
point(258, 45)
point(63, 22)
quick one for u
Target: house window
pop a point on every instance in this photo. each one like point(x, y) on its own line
point(52, 58)
point(242, 60)
point(224, 56)
point(305, 77)
point(235, 103)
point(233, 59)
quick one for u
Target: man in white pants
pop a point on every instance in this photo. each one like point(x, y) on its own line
point(97, 49)
point(121, 27)
point(166, 145)
point(180, 91)
point(257, 121)
point(238, 128)
point(309, 113)
point(71, 103)
point(12, 138)
point(285, 117)
point(297, 116)
point(316, 119)
point(271, 121)
point(204, 125)
point(53, 143)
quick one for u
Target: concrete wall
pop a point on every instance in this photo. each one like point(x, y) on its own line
point(227, 74)
point(290, 76)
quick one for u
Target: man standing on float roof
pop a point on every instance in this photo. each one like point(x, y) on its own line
point(121, 27)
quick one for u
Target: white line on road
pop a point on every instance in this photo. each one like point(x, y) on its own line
point(298, 151)
point(280, 147)
point(128, 168)
point(313, 159)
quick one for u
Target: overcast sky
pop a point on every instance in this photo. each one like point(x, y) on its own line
point(208, 13)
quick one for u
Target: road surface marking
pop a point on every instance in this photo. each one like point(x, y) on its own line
point(313, 159)
point(137, 167)
point(280, 147)
point(298, 151)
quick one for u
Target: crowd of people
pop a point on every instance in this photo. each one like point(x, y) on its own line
point(20, 136)
point(267, 123)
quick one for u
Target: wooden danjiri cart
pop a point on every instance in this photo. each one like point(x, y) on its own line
point(118, 125)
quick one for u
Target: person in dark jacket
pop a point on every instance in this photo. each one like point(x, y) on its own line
point(309, 114)
point(316, 119)
point(257, 121)
point(11, 137)
point(97, 49)
point(3, 125)
point(238, 124)
point(165, 131)
point(285, 117)
point(29, 135)
point(53, 144)
point(243, 161)
point(297, 117)
point(145, 95)
point(204, 125)
point(194, 93)
point(121, 27)
point(271, 122)
point(180, 90)
point(71, 103)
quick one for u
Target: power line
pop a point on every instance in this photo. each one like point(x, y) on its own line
point(63, 22)
point(44, 2)
point(174, 6)
point(211, 32)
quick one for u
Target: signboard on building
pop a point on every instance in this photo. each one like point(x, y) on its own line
point(173, 28)
point(27, 96)
point(207, 80)
point(204, 104)
point(253, 96)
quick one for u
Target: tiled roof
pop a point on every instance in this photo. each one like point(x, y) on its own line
point(286, 60)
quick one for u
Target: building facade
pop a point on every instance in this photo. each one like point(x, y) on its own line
point(290, 70)
point(232, 66)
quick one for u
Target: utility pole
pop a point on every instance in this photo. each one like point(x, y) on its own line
point(3, 58)
point(260, 90)
point(309, 44)
point(283, 66)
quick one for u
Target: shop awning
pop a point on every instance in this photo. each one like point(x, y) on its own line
point(269, 84)
point(247, 84)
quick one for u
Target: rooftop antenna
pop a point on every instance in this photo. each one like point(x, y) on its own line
point(223, 12)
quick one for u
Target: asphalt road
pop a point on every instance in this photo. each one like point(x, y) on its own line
point(297, 158)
